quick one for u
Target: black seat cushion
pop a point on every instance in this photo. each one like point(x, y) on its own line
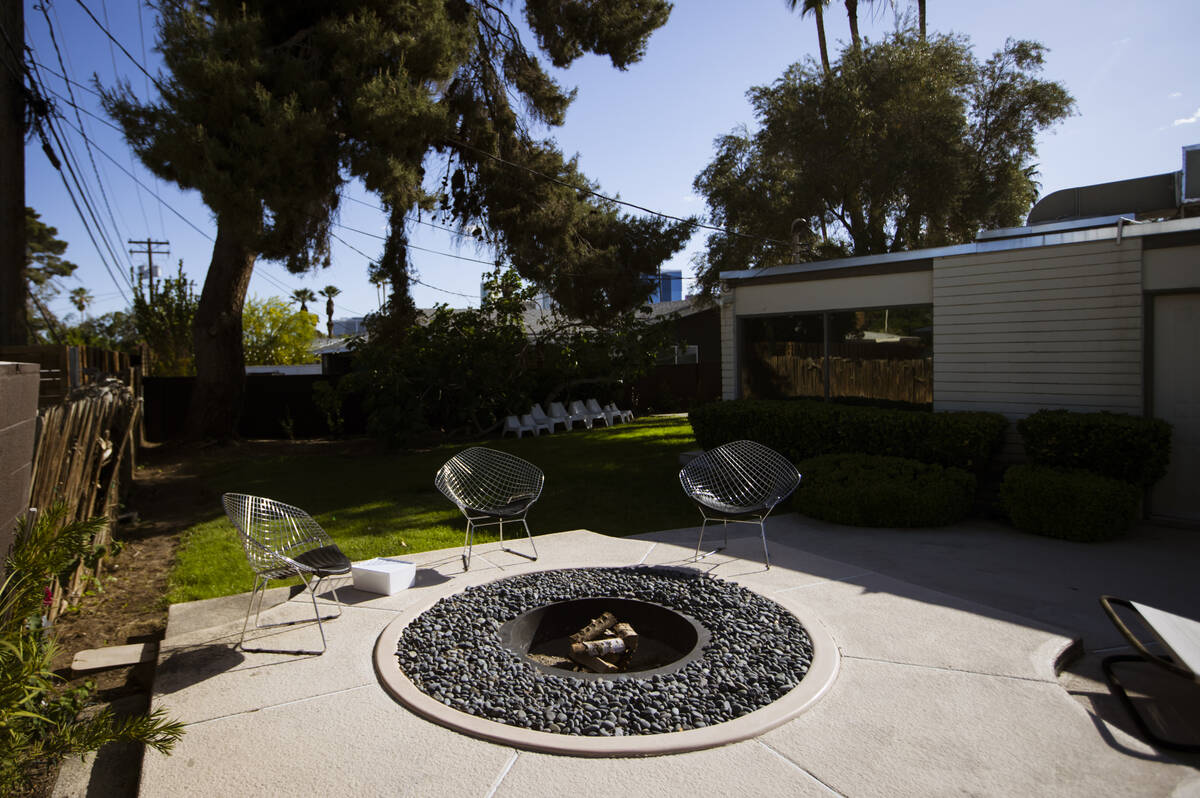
point(516, 506)
point(326, 561)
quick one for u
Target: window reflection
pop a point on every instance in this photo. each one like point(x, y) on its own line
point(874, 354)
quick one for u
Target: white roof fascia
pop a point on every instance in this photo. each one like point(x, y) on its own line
point(1121, 229)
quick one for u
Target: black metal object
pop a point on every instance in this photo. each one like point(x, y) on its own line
point(683, 636)
point(1143, 655)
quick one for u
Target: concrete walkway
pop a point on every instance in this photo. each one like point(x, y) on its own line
point(947, 683)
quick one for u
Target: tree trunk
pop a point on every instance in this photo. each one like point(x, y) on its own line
point(14, 330)
point(852, 13)
point(821, 37)
point(217, 335)
point(921, 17)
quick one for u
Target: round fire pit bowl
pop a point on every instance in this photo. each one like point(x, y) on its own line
point(721, 662)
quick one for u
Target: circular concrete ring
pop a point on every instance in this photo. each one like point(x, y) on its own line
point(820, 677)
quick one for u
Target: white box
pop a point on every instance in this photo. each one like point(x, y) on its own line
point(386, 575)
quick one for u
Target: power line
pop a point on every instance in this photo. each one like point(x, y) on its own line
point(598, 195)
point(410, 275)
point(414, 246)
point(113, 39)
point(79, 118)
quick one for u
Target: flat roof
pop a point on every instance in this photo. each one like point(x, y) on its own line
point(1042, 235)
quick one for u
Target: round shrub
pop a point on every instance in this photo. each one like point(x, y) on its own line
point(872, 490)
point(1068, 503)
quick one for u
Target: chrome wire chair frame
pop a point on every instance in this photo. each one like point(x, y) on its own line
point(282, 541)
point(739, 482)
point(490, 488)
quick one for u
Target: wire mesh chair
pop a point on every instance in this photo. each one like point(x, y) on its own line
point(490, 488)
point(739, 482)
point(280, 542)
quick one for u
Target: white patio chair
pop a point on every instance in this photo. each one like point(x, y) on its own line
point(490, 488)
point(1179, 636)
point(517, 427)
point(558, 411)
point(738, 482)
point(623, 415)
point(539, 415)
point(280, 542)
point(577, 408)
point(610, 416)
point(529, 421)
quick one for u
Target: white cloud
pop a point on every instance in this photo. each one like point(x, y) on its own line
point(1175, 95)
point(1187, 120)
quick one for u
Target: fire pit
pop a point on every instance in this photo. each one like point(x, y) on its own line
point(708, 653)
point(610, 637)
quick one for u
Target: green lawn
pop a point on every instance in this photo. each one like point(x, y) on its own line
point(619, 481)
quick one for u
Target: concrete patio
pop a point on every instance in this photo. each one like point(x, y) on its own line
point(947, 681)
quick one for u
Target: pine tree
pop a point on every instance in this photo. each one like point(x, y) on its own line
point(361, 89)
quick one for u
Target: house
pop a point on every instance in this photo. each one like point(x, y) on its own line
point(1093, 305)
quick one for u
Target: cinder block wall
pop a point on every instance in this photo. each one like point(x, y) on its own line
point(18, 422)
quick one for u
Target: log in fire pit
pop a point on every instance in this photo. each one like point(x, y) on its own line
point(609, 637)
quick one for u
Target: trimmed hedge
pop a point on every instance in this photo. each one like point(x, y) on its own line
point(1116, 445)
point(800, 429)
point(1068, 503)
point(872, 490)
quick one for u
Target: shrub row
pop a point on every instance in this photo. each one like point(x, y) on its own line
point(872, 490)
point(1068, 503)
point(1116, 445)
point(801, 429)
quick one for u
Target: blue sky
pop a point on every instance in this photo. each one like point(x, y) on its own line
point(643, 134)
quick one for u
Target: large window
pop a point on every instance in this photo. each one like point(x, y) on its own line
point(874, 353)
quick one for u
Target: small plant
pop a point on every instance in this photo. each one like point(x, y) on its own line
point(1068, 503)
point(870, 490)
point(40, 718)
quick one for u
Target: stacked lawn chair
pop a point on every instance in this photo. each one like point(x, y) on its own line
point(588, 413)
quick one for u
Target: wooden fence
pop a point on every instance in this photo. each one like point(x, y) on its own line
point(84, 453)
point(67, 368)
point(774, 372)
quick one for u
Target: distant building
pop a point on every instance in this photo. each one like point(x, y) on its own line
point(669, 288)
point(346, 327)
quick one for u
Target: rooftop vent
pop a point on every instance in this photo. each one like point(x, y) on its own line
point(1140, 197)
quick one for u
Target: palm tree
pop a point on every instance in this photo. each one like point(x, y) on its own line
point(81, 298)
point(303, 296)
point(852, 13)
point(379, 280)
point(817, 9)
point(921, 17)
point(329, 292)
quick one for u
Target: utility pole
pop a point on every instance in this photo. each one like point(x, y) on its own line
point(149, 251)
point(13, 327)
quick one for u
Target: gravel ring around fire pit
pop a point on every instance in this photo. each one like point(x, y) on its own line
point(758, 652)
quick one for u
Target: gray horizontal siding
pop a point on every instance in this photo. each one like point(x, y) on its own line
point(1018, 331)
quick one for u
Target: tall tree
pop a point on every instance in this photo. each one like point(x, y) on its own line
point(81, 298)
point(329, 292)
point(359, 89)
point(44, 268)
point(817, 9)
point(911, 143)
point(304, 296)
point(852, 15)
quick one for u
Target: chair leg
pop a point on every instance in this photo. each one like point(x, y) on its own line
point(1119, 691)
point(762, 527)
point(468, 545)
point(528, 534)
point(700, 542)
point(257, 580)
